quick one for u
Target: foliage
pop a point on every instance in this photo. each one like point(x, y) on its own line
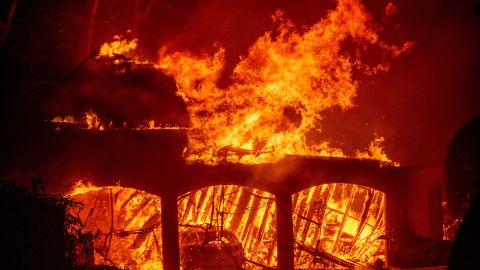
point(77, 242)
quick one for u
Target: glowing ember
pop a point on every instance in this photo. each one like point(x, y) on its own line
point(89, 121)
point(278, 91)
point(93, 122)
point(338, 225)
point(126, 224)
point(241, 218)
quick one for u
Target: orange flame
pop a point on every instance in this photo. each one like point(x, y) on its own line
point(92, 121)
point(341, 223)
point(279, 91)
point(118, 46)
point(247, 213)
point(376, 151)
point(83, 186)
point(126, 224)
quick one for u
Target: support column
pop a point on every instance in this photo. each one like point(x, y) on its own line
point(171, 256)
point(285, 239)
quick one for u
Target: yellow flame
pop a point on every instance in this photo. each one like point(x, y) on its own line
point(83, 186)
point(341, 220)
point(247, 213)
point(91, 120)
point(376, 151)
point(118, 46)
point(126, 223)
point(278, 93)
point(279, 90)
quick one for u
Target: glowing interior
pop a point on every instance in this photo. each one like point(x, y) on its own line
point(338, 226)
point(334, 226)
point(224, 211)
point(126, 225)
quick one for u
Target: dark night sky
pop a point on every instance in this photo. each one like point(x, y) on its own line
point(427, 95)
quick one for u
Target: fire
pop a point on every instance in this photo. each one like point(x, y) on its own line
point(126, 224)
point(92, 121)
point(376, 151)
point(279, 90)
point(273, 106)
point(245, 215)
point(83, 186)
point(66, 119)
point(334, 225)
point(118, 46)
point(338, 225)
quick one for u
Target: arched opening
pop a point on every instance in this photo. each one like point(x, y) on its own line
point(125, 224)
point(227, 227)
point(338, 226)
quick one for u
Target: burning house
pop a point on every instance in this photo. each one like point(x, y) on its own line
point(300, 212)
point(192, 160)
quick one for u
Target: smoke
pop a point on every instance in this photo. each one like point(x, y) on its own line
point(119, 93)
point(427, 95)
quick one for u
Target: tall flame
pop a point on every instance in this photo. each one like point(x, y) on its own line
point(279, 90)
